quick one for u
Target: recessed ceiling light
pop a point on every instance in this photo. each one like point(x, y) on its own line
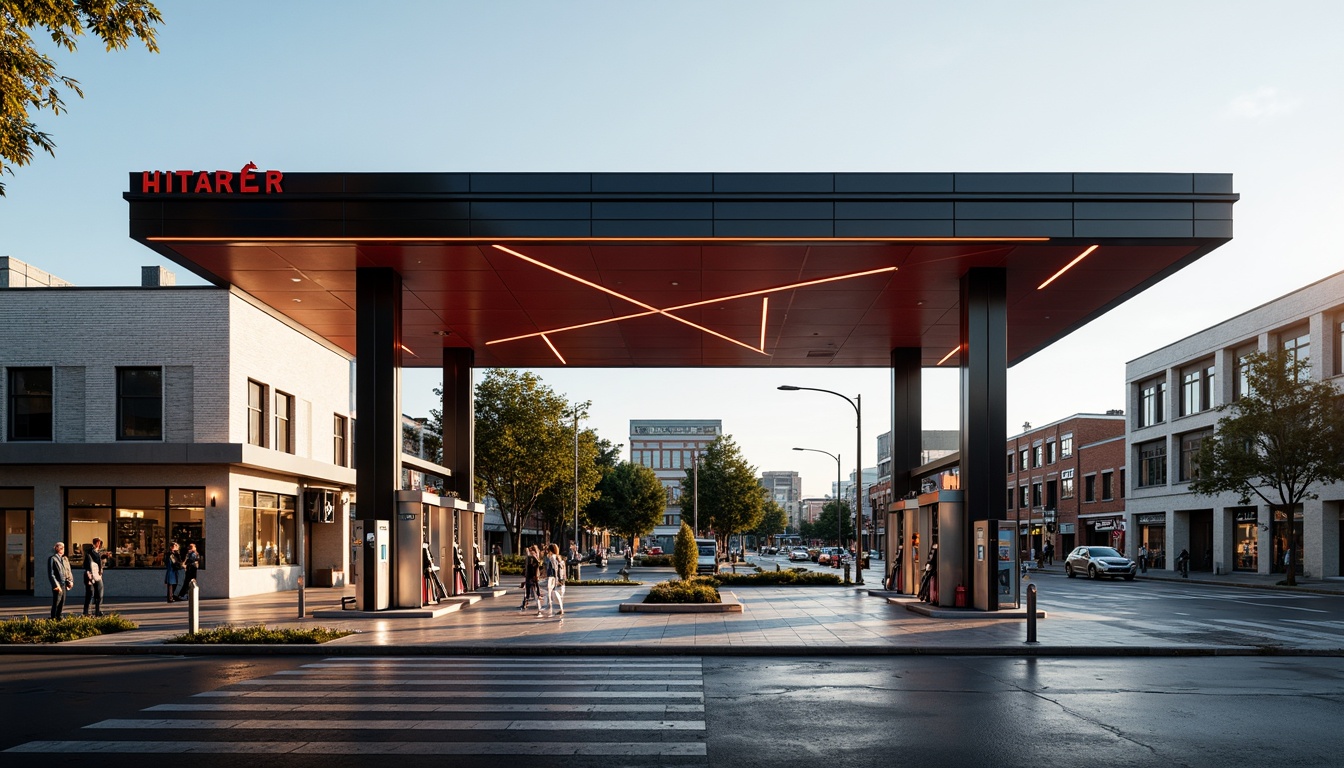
point(674, 282)
point(296, 279)
point(298, 301)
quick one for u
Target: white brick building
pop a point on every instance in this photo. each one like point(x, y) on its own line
point(1172, 393)
point(150, 415)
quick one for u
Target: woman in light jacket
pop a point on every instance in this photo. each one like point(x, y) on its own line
point(555, 580)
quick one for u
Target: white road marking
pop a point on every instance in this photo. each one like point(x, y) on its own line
point(400, 724)
point(448, 748)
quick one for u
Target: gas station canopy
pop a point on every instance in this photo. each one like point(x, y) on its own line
point(684, 269)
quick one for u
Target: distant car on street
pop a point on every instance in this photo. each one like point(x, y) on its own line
point(799, 553)
point(1096, 562)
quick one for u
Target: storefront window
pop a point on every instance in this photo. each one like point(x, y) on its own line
point(266, 529)
point(1246, 548)
point(133, 523)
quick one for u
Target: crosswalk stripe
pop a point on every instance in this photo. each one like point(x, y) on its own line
point(566, 672)
point(461, 694)
point(483, 683)
point(307, 706)
point(527, 707)
point(400, 724)
point(446, 748)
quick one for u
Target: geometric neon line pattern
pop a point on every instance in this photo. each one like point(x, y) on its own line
point(648, 309)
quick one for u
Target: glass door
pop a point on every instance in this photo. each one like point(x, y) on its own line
point(18, 550)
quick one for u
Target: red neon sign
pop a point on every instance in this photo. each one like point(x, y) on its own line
point(246, 182)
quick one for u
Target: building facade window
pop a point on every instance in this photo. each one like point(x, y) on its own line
point(1297, 348)
point(139, 403)
point(1241, 383)
point(339, 427)
point(1037, 456)
point(1050, 452)
point(30, 400)
point(1022, 496)
point(1024, 457)
point(256, 413)
point(1197, 389)
point(1339, 347)
point(1090, 488)
point(1107, 486)
point(1036, 494)
point(265, 529)
point(1010, 463)
point(1152, 463)
point(137, 525)
point(284, 422)
point(1066, 484)
point(1190, 443)
point(1066, 446)
point(1152, 402)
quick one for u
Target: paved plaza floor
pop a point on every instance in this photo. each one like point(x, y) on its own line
point(846, 620)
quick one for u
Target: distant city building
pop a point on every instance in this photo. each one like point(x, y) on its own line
point(786, 489)
point(1173, 393)
point(935, 444)
point(1066, 482)
point(669, 447)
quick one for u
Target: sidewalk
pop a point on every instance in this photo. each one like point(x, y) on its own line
point(775, 621)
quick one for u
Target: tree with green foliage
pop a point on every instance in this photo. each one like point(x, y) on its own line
point(731, 499)
point(1283, 437)
point(525, 446)
point(556, 505)
point(685, 552)
point(29, 78)
point(774, 521)
point(630, 501)
point(825, 527)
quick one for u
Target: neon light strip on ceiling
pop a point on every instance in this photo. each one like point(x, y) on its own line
point(946, 357)
point(1068, 266)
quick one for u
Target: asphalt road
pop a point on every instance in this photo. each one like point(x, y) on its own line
point(673, 711)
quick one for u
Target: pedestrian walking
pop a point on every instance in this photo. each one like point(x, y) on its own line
point(58, 570)
point(95, 559)
point(531, 574)
point(1183, 563)
point(1143, 558)
point(555, 581)
point(192, 561)
point(1049, 553)
point(172, 567)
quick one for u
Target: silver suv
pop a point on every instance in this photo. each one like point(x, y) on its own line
point(1095, 562)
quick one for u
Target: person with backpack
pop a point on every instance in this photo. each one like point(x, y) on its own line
point(555, 581)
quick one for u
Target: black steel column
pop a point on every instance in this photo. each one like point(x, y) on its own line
point(459, 420)
point(377, 404)
point(984, 409)
point(907, 427)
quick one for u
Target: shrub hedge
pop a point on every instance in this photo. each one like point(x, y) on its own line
point(791, 577)
point(260, 635)
point(656, 561)
point(28, 630)
point(699, 590)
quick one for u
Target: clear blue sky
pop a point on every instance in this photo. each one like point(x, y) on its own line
point(1248, 88)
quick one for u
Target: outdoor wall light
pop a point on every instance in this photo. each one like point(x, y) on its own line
point(212, 499)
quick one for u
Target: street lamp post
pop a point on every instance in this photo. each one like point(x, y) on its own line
point(839, 521)
point(857, 404)
point(577, 567)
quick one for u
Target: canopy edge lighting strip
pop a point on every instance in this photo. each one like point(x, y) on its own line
point(1069, 266)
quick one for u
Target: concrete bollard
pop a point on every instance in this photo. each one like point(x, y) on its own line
point(193, 608)
point(1031, 614)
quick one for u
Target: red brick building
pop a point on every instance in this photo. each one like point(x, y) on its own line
point(1066, 482)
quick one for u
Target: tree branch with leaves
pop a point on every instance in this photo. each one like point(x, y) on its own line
point(1281, 439)
point(29, 78)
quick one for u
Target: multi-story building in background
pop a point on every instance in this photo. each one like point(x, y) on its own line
point(1066, 482)
point(669, 447)
point(935, 444)
point(786, 489)
point(1173, 395)
point(160, 414)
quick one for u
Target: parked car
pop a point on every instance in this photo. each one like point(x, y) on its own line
point(1096, 562)
point(812, 553)
point(799, 553)
point(655, 550)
